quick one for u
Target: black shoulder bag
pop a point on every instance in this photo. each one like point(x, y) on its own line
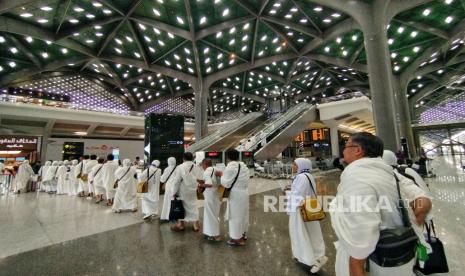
point(396, 246)
point(437, 261)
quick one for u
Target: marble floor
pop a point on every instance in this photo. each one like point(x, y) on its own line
point(50, 235)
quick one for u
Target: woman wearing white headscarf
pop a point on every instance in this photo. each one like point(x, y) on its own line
point(167, 173)
point(72, 180)
point(61, 175)
point(151, 198)
point(24, 175)
point(126, 194)
point(51, 178)
point(42, 173)
point(307, 243)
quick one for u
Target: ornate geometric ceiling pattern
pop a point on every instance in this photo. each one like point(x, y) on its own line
point(245, 51)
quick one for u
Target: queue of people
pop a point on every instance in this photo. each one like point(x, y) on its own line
point(371, 173)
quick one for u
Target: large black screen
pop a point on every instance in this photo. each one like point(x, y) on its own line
point(164, 137)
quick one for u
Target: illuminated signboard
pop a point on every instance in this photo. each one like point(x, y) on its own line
point(212, 154)
point(248, 153)
point(320, 134)
point(18, 143)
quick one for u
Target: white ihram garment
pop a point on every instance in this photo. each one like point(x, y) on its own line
point(185, 182)
point(108, 177)
point(24, 175)
point(72, 181)
point(126, 194)
point(61, 179)
point(87, 170)
point(151, 198)
point(237, 211)
point(95, 177)
point(212, 204)
point(358, 231)
point(166, 178)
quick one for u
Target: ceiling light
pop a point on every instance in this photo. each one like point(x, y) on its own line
point(414, 34)
point(393, 55)
point(80, 133)
point(46, 8)
point(180, 20)
point(42, 21)
point(26, 15)
point(400, 30)
point(246, 26)
point(318, 9)
point(449, 19)
point(226, 12)
point(426, 12)
point(416, 49)
point(203, 20)
point(156, 12)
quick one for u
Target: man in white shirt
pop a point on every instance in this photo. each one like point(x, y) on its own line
point(185, 185)
point(108, 178)
point(368, 178)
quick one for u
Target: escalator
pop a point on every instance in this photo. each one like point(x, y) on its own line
point(233, 139)
point(226, 135)
point(280, 138)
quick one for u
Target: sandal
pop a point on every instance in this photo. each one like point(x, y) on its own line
point(214, 239)
point(177, 228)
point(232, 242)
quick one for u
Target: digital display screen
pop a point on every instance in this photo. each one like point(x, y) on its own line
point(248, 153)
point(212, 154)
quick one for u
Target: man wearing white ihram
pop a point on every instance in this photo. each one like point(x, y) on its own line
point(95, 179)
point(369, 178)
point(108, 177)
point(61, 175)
point(24, 175)
point(151, 198)
point(212, 203)
point(164, 179)
point(307, 242)
point(236, 176)
point(43, 173)
point(51, 178)
point(185, 182)
point(126, 193)
point(72, 180)
point(87, 170)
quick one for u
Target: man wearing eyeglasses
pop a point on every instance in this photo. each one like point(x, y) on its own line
point(369, 180)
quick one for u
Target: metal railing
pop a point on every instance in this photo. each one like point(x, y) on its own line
point(222, 132)
point(275, 125)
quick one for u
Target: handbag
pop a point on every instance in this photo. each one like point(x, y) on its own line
point(200, 190)
point(396, 246)
point(224, 192)
point(177, 209)
point(115, 185)
point(143, 187)
point(437, 261)
point(311, 209)
point(80, 171)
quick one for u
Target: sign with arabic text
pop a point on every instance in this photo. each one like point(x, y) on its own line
point(28, 143)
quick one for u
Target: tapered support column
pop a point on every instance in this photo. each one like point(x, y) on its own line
point(333, 132)
point(201, 115)
point(403, 116)
point(380, 77)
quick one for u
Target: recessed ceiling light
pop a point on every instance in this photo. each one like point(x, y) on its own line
point(449, 19)
point(426, 12)
point(26, 15)
point(226, 12)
